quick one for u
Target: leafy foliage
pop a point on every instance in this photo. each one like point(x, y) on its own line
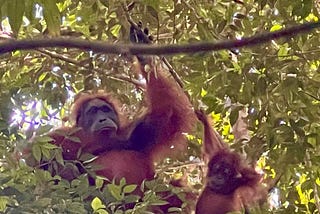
point(277, 82)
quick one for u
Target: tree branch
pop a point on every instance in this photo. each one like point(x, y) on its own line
point(99, 46)
point(118, 77)
point(146, 38)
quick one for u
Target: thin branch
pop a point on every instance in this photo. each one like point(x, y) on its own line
point(99, 46)
point(117, 77)
point(180, 166)
point(310, 95)
point(174, 74)
point(60, 57)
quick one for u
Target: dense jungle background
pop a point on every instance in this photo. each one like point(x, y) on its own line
point(272, 86)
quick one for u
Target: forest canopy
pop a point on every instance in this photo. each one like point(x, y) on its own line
point(249, 64)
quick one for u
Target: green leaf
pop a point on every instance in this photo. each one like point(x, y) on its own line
point(115, 30)
point(102, 211)
point(3, 203)
point(10, 191)
point(211, 101)
point(302, 8)
point(99, 182)
point(152, 3)
point(46, 153)
point(152, 12)
point(275, 27)
point(234, 116)
point(174, 210)
point(104, 3)
point(129, 188)
point(77, 207)
point(96, 204)
point(36, 151)
point(159, 202)
point(59, 157)
point(283, 51)
point(132, 198)
point(261, 86)
point(203, 31)
point(115, 191)
point(221, 25)
point(44, 202)
point(51, 14)
point(44, 129)
point(122, 182)
point(15, 13)
point(43, 139)
point(49, 146)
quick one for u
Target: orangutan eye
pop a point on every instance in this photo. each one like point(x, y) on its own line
point(93, 110)
point(105, 109)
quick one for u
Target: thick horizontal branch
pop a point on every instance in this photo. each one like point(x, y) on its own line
point(103, 47)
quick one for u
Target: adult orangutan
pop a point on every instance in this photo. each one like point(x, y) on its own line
point(128, 149)
point(231, 184)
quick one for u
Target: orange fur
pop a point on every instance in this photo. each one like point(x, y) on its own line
point(169, 111)
point(246, 194)
point(132, 165)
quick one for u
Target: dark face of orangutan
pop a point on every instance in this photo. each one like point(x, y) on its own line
point(98, 116)
point(223, 177)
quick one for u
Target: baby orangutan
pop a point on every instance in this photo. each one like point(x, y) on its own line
point(231, 184)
